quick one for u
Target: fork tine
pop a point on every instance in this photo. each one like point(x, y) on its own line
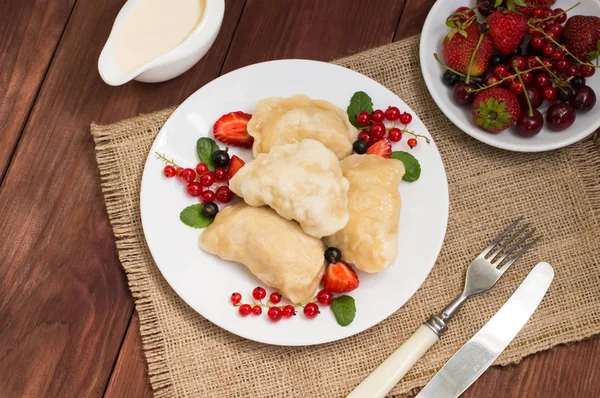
point(514, 247)
point(499, 238)
point(505, 244)
point(516, 256)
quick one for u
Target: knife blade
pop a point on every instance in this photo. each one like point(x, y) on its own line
point(473, 358)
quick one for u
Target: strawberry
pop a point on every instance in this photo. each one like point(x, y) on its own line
point(495, 109)
point(234, 165)
point(231, 129)
point(458, 49)
point(382, 148)
point(531, 5)
point(507, 30)
point(340, 278)
point(582, 37)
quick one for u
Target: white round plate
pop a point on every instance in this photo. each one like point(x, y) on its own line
point(206, 282)
point(434, 32)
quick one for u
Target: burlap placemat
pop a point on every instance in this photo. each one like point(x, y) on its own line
point(559, 192)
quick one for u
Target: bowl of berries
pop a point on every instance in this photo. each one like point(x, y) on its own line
point(515, 74)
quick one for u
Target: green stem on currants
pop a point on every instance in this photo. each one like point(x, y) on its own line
point(525, 92)
point(557, 15)
point(506, 78)
point(556, 79)
point(473, 58)
point(167, 161)
point(437, 58)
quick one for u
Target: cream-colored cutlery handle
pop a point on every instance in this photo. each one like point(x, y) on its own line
point(393, 369)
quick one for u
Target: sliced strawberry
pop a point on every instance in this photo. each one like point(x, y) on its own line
point(231, 129)
point(234, 165)
point(340, 278)
point(382, 148)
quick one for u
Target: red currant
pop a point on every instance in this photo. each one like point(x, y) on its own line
point(562, 18)
point(235, 298)
point(188, 175)
point(324, 297)
point(542, 80)
point(550, 93)
point(518, 62)
point(538, 13)
point(572, 71)
point(548, 50)
point(554, 28)
point(207, 196)
point(179, 171)
point(587, 70)
point(377, 130)
point(537, 41)
point(492, 80)
point(378, 116)
point(395, 134)
point(547, 13)
point(392, 113)
point(516, 88)
point(170, 171)
point(201, 168)
point(311, 310)
point(531, 61)
point(364, 136)
point(547, 62)
point(275, 297)
point(275, 313)
point(405, 118)
point(288, 311)
point(224, 194)
point(412, 142)
point(207, 178)
point(244, 309)
point(527, 77)
point(561, 65)
point(259, 293)
point(363, 118)
point(194, 189)
point(257, 310)
point(501, 71)
point(220, 174)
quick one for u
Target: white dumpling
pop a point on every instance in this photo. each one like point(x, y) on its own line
point(278, 121)
point(274, 249)
point(301, 182)
point(370, 239)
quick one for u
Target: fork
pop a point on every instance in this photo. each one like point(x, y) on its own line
point(482, 275)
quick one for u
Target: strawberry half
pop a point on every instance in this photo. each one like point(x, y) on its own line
point(340, 278)
point(231, 129)
point(382, 148)
point(234, 165)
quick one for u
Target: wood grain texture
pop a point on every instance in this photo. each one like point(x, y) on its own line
point(29, 34)
point(312, 29)
point(413, 17)
point(130, 376)
point(65, 306)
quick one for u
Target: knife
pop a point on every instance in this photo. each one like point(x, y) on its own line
point(473, 358)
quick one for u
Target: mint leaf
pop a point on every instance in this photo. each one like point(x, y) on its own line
point(193, 217)
point(344, 309)
point(205, 147)
point(411, 164)
point(359, 102)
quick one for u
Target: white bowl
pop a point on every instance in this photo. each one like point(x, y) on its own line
point(433, 33)
point(170, 64)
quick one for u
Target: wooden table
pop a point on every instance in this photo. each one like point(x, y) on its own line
point(67, 322)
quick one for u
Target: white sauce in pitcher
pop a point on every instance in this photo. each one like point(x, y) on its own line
point(153, 28)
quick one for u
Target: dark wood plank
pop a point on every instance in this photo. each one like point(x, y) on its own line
point(29, 33)
point(65, 306)
point(566, 371)
point(313, 29)
point(130, 376)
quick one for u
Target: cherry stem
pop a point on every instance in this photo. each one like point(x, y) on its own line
point(167, 161)
point(473, 58)
point(506, 78)
point(525, 92)
point(558, 45)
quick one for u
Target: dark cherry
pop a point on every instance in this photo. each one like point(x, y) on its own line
point(461, 94)
point(485, 7)
point(450, 78)
point(528, 126)
point(584, 99)
point(578, 81)
point(560, 116)
point(565, 94)
point(517, 52)
point(535, 96)
point(497, 59)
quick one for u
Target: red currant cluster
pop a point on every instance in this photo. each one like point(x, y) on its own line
point(276, 312)
point(373, 128)
point(200, 180)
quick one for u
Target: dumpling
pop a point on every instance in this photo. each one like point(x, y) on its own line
point(273, 248)
point(370, 239)
point(301, 182)
point(278, 121)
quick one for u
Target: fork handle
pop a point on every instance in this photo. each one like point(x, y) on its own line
point(393, 369)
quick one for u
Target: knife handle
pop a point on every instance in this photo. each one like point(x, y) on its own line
point(393, 369)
